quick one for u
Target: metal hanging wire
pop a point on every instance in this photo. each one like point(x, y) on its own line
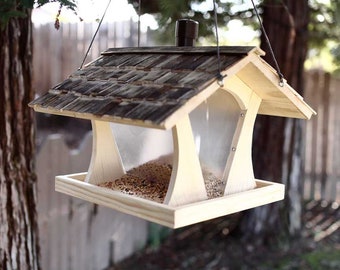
point(94, 36)
point(139, 14)
point(281, 77)
point(219, 75)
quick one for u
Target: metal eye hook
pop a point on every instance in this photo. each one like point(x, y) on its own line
point(220, 78)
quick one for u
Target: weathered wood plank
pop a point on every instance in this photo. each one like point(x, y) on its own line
point(75, 234)
point(325, 134)
point(322, 138)
point(195, 80)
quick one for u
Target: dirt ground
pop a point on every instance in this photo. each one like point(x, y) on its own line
point(216, 245)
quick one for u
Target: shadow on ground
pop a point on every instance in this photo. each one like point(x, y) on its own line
point(215, 245)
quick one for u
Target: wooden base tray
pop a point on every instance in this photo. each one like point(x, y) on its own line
point(173, 217)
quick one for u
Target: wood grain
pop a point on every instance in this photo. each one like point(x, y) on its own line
point(173, 217)
point(106, 163)
point(186, 182)
point(239, 174)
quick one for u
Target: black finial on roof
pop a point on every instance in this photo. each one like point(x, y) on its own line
point(186, 32)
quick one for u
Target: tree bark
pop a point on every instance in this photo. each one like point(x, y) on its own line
point(19, 248)
point(278, 142)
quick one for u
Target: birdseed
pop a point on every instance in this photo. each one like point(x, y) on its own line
point(151, 180)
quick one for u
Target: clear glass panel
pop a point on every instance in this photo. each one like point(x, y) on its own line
point(138, 145)
point(214, 123)
point(147, 153)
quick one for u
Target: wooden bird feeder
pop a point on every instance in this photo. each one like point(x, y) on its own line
point(171, 144)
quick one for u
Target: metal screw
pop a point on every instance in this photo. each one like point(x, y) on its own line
point(242, 114)
point(233, 149)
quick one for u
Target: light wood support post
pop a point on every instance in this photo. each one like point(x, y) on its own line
point(186, 182)
point(106, 163)
point(239, 173)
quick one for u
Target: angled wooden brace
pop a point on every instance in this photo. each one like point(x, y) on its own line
point(186, 182)
point(106, 163)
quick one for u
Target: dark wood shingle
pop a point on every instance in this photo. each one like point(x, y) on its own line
point(144, 84)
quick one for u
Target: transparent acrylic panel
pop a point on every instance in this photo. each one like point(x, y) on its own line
point(214, 123)
point(138, 145)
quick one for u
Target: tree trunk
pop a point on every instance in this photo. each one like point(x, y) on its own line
point(19, 247)
point(278, 142)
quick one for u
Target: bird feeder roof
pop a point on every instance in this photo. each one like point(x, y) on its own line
point(154, 86)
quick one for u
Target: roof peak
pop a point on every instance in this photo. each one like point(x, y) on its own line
point(231, 50)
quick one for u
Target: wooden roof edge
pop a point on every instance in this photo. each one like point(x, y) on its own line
point(168, 123)
point(106, 118)
point(287, 114)
point(307, 110)
point(286, 89)
point(238, 50)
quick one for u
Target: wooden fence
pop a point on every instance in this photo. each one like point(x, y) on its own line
point(58, 53)
point(75, 234)
point(322, 166)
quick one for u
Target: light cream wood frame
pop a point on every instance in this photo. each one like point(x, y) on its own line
point(238, 173)
point(171, 216)
point(186, 182)
point(106, 163)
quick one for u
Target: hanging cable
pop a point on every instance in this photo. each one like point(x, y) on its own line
point(139, 14)
point(95, 34)
point(219, 75)
point(281, 77)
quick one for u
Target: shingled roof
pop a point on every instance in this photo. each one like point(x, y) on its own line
point(141, 86)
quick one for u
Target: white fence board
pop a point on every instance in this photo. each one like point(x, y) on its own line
point(75, 234)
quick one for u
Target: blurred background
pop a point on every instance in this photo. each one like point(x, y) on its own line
point(75, 234)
